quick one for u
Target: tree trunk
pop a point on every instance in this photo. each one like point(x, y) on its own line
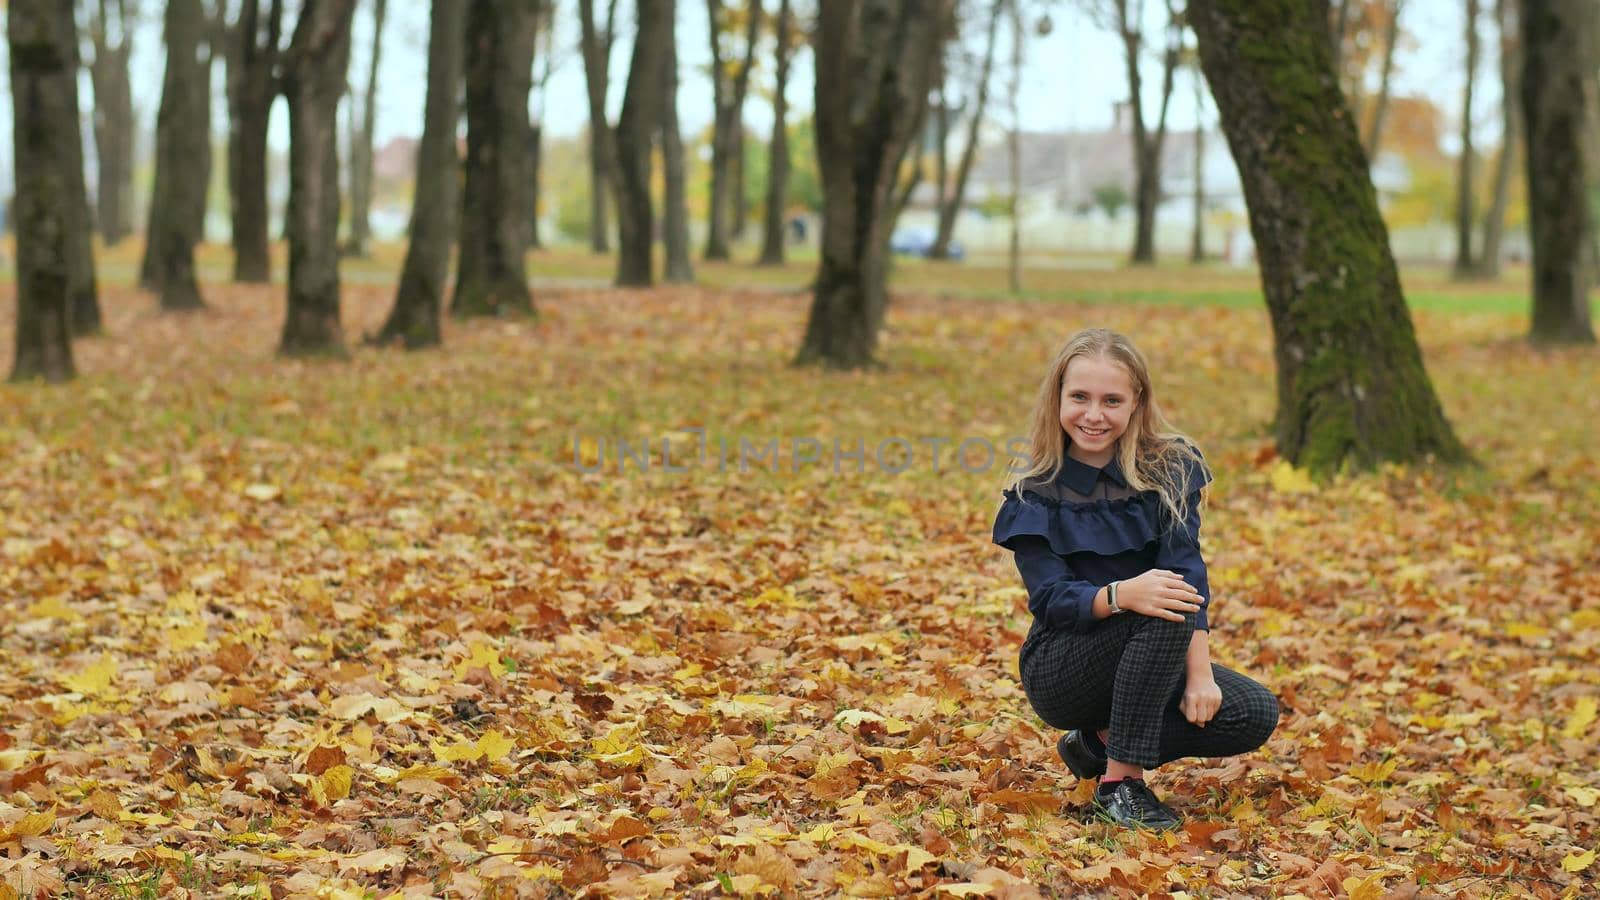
point(1352, 389)
point(81, 289)
point(1197, 240)
point(361, 147)
point(183, 146)
point(951, 207)
point(1464, 173)
point(640, 117)
point(773, 228)
point(419, 301)
point(492, 276)
point(252, 56)
point(1494, 221)
point(314, 76)
point(535, 173)
point(675, 231)
point(727, 125)
point(1557, 57)
point(1014, 151)
point(876, 55)
point(1147, 145)
point(596, 49)
point(1380, 107)
point(113, 123)
point(43, 79)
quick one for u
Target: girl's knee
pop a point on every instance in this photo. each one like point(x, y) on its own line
point(1264, 714)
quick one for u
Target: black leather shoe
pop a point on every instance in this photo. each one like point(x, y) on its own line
point(1076, 753)
point(1131, 802)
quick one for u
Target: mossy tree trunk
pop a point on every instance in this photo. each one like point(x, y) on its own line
point(419, 301)
point(773, 225)
point(874, 62)
point(183, 150)
point(675, 215)
point(1557, 58)
point(638, 121)
point(112, 37)
point(314, 75)
point(492, 276)
point(1352, 389)
point(42, 77)
point(252, 57)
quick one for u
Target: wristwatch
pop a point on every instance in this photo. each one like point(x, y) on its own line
point(1111, 598)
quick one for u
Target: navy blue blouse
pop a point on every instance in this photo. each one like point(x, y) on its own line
point(1086, 529)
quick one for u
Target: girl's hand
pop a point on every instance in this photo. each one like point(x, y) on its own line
point(1158, 593)
point(1201, 700)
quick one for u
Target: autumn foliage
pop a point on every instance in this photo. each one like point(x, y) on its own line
point(345, 629)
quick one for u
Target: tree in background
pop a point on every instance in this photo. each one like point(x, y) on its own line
point(595, 45)
point(637, 123)
point(314, 69)
point(252, 59)
point(1494, 221)
point(111, 35)
point(419, 301)
point(675, 216)
point(82, 292)
point(545, 53)
point(773, 226)
point(1363, 32)
point(1465, 266)
point(43, 77)
point(1558, 58)
point(361, 144)
point(730, 82)
point(1197, 237)
point(1352, 389)
point(183, 157)
point(949, 203)
point(874, 62)
point(491, 275)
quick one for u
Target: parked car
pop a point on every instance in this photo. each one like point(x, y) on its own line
point(919, 242)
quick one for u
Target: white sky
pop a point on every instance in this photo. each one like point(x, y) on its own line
point(1072, 78)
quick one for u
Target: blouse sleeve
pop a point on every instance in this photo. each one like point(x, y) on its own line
point(1055, 593)
point(1179, 550)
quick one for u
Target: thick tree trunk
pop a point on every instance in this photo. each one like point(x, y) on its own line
point(1494, 221)
point(640, 117)
point(727, 125)
point(418, 303)
point(1557, 58)
point(951, 207)
point(1465, 266)
point(183, 146)
point(361, 147)
point(675, 228)
point(876, 55)
point(314, 77)
point(1380, 107)
point(492, 275)
point(1352, 389)
point(113, 122)
point(43, 78)
point(595, 46)
point(252, 56)
point(773, 226)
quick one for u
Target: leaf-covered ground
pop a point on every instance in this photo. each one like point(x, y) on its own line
point(358, 628)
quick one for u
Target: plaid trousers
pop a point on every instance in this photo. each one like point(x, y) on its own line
point(1127, 674)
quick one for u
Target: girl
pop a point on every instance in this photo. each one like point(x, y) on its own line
point(1104, 520)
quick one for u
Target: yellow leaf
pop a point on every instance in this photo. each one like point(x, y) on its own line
point(336, 782)
point(94, 679)
point(33, 824)
point(460, 751)
point(354, 706)
point(374, 861)
point(481, 656)
point(1581, 717)
point(1369, 889)
point(185, 636)
point(1286, 479)
point(1577, 862)
point(495, 746)
point(1526, 629)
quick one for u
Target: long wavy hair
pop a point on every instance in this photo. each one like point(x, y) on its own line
point(1153, 455)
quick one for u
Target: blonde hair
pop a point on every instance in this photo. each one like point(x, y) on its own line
point(1151, 454)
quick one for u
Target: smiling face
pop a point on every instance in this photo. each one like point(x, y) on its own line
point(1097, 401)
